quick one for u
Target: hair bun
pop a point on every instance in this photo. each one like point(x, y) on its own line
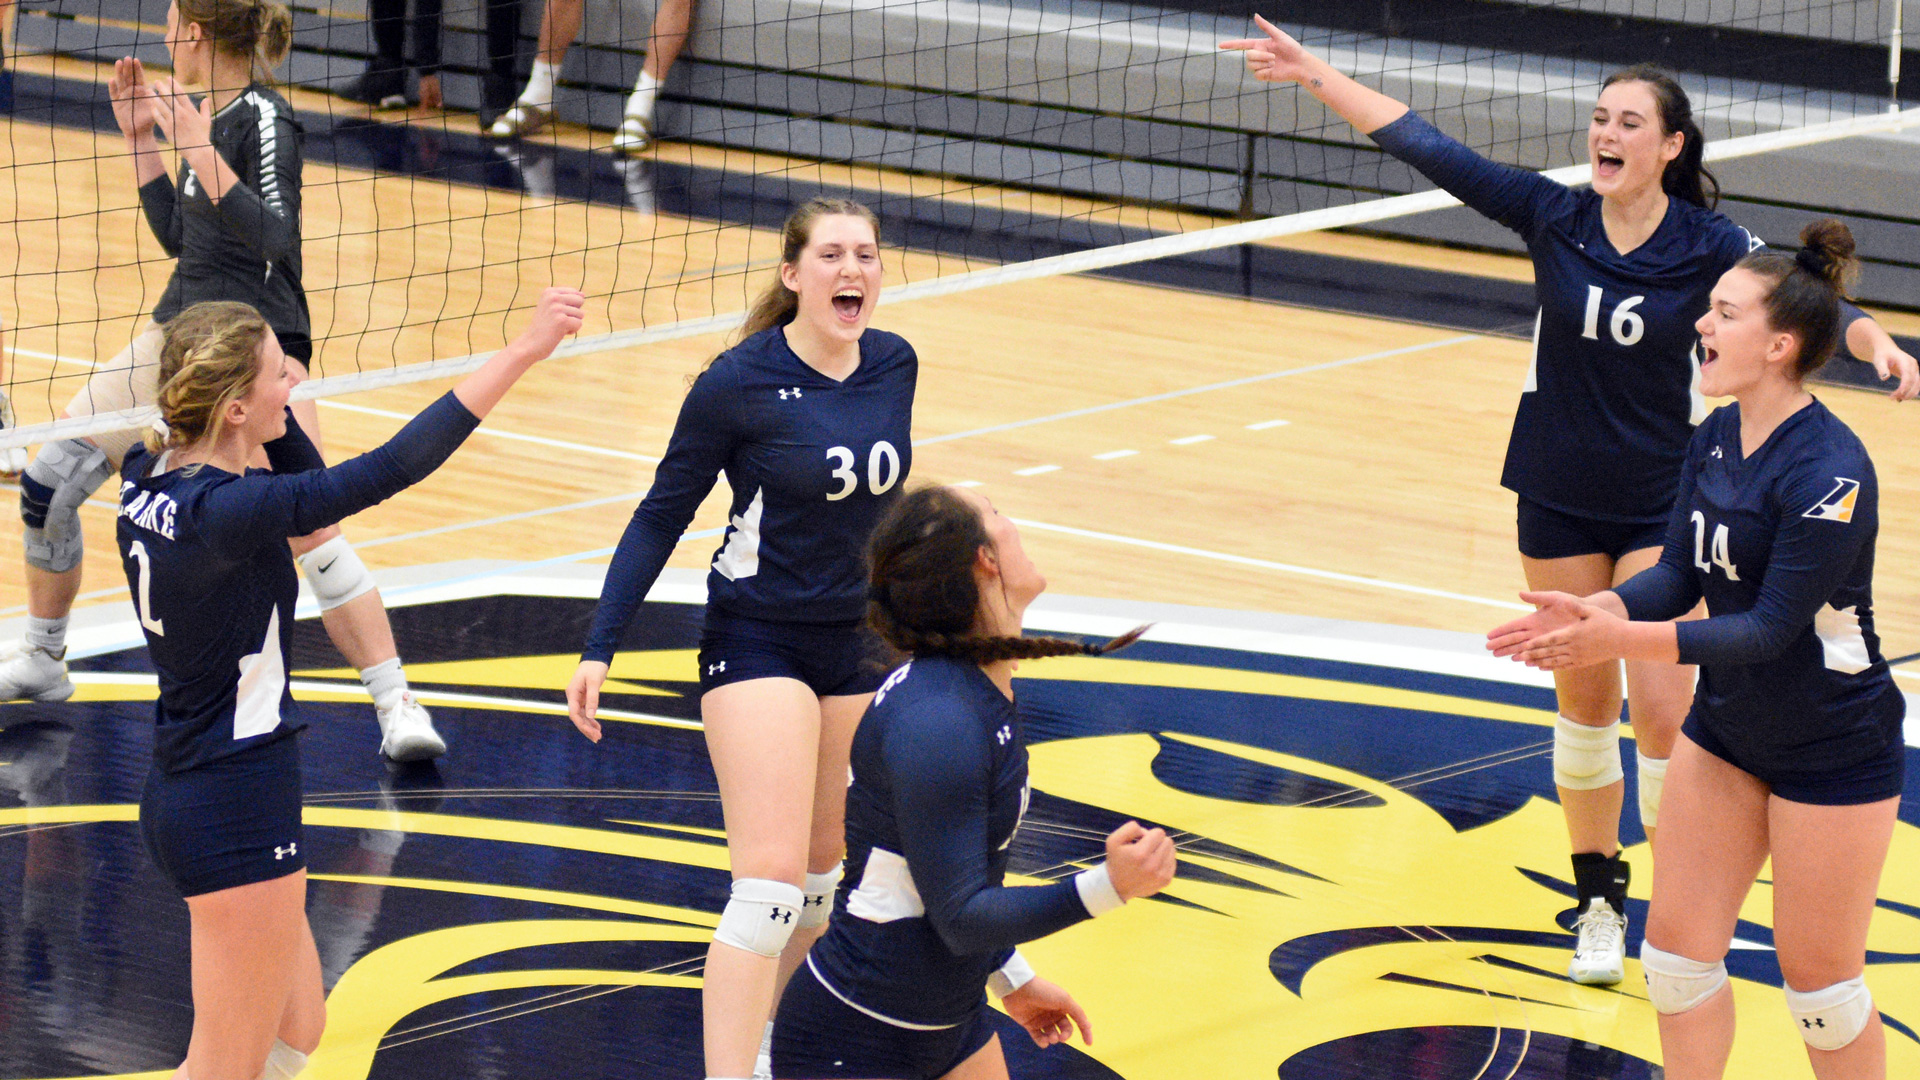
point(1826, 252)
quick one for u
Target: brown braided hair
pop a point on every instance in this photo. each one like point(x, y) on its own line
point(922, 597)
point(209, 355)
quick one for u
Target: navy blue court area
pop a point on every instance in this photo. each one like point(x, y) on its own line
point(1373, 880)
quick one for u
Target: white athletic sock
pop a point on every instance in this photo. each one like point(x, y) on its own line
point(384, 680)
point(47, 634)
point(640, 102)
point(539, 91)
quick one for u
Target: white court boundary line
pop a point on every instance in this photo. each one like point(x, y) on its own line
point(1159, 247)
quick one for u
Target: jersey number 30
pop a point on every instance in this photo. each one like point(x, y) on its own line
point(883, 469)
point(1627, 326)
point(1720, 556)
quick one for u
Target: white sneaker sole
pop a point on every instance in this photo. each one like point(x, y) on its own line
point(59, 692)
point(1595, 976)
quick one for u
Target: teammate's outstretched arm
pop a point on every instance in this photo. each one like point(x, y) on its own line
point(556, 317)
point(1279, 58)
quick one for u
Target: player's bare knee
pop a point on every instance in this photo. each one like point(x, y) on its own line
point(61, 477)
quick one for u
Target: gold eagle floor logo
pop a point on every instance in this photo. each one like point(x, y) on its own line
point(1373, 878)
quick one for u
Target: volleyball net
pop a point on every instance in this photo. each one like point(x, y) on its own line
point(998, 142)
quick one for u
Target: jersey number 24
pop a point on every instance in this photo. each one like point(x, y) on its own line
point(1720, 555)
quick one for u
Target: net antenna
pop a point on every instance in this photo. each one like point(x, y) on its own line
point(1021, 143)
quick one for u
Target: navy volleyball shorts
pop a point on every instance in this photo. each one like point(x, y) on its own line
point(1546, 533)
point(1882, 776)
point(820, 1037)
point(833, 659)
point(234, 822)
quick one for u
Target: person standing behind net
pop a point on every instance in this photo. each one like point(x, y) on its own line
point(810, 417)
point(925, 922)
point(1794, 747)
point(384, 84)
point(202, 538)
point(233, 226)
point(559, 26)
point(1621, 271)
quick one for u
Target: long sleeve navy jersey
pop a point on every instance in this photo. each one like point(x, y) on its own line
point(246, 248)
point(812, 463)
point(923, 916)
point(1608, 404)
point(1781, 546)
point(206, 558)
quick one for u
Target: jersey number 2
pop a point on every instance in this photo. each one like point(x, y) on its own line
point(883, 469)
point(1627, 326)
point(1721, 556)
point(139, 553)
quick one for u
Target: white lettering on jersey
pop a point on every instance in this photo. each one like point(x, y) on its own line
point(150, 510)
point(893, 680)
point(1838, 503)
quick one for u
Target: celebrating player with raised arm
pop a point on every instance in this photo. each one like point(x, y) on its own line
point(1793, 748)
point(925, 923)
point(1621, 271)
point(232, 224)
point(203, 540)
point(809, 416)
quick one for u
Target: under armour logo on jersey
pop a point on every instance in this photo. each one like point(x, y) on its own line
point(1838, 505)
point(1717, 453)
point(781, 915)
point(1005, 733)
point(282, 852)
point(784, 394)
point(715, 669)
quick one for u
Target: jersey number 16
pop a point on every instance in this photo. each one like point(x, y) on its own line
point(1626, 324)
point(1720, 556)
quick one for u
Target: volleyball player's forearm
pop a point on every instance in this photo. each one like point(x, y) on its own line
point(483, 389)
point(1863, 336)
point(1660, 592)
point(148, 162)
point(1367, 109)
point(161, 203)
point(238, 517)
point(636, 563)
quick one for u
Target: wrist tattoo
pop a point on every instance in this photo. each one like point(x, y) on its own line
point(1315, 81)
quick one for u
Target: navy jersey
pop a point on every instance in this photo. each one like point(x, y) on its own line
point(1607, 407)
point(939, 786)
point(1781, 546)
point(812, 463)
point(247, 248)
point(206, 558)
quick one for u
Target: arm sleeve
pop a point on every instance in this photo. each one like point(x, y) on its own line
point(703, 439)
point(1811, 558)
point(941, 779)
point(1508, 194)
point(262, 209)
point(263, 508)
point(294, 452)
point(1668, 589)
point(162, 204)
point(1850, 313)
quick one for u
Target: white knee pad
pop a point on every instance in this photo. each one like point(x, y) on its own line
point(335, 573)
point(1676, 984)
point(1585, 758)
point(1653, 777)
point(760, 916)
point(819, 891)
point(1834, 1016)
point(61, 476)
point(283, 1062)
